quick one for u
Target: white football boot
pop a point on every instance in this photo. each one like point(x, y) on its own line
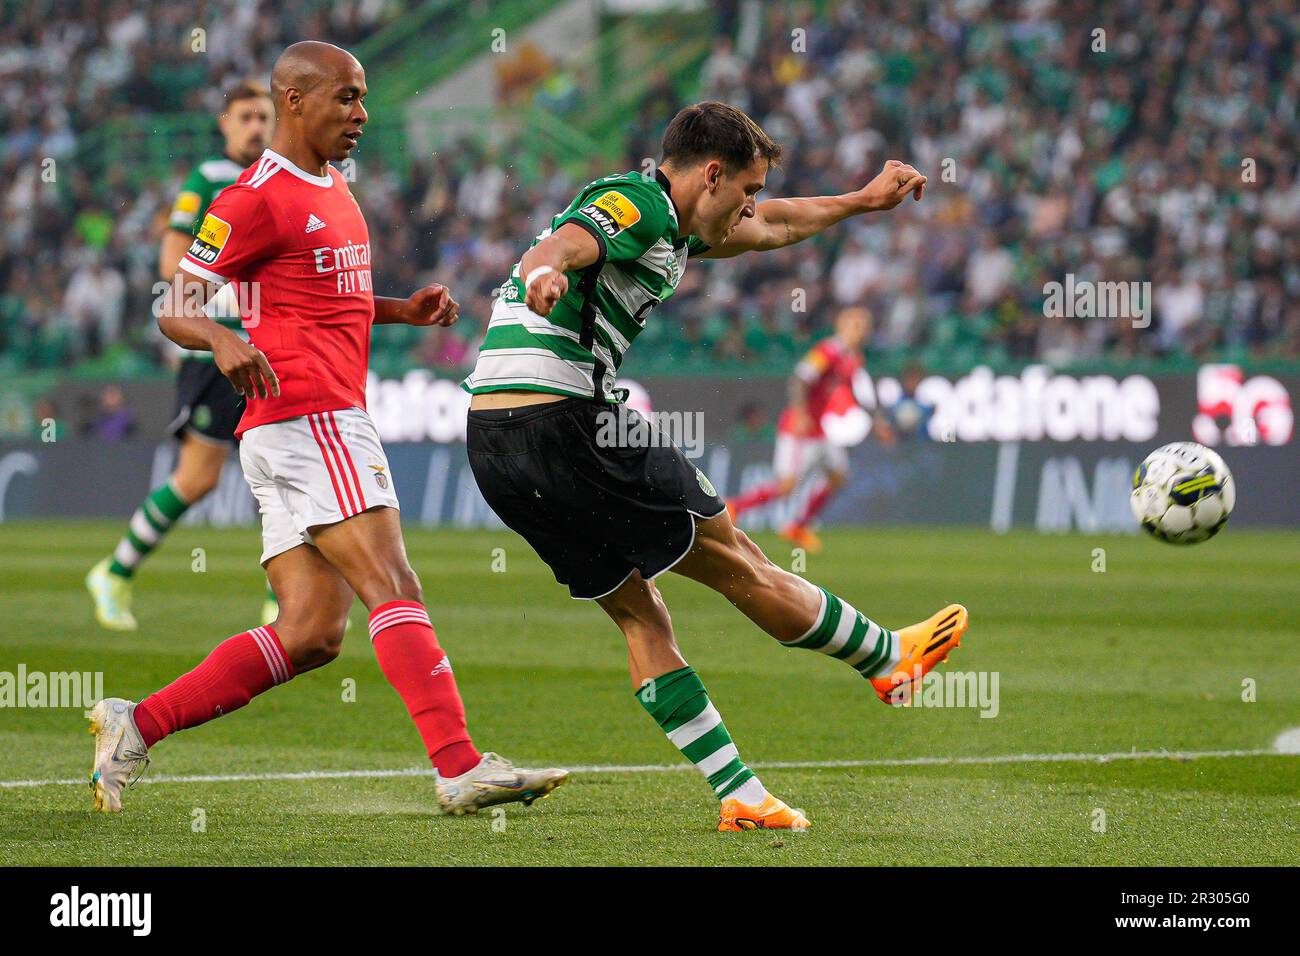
point(119, 751)
point(495, 780)
point(112, 596)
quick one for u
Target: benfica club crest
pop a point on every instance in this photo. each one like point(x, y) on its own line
point(381, 479)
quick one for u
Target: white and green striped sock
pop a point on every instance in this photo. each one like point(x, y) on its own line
point(153, 519)
point(680, 705)
point(849, 635)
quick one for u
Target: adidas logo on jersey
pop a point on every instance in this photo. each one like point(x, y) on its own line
point(314, 223)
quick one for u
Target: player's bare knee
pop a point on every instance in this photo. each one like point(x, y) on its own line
point(638, 606)
point(785, 485)
point(396, 584)
point(310, 646)
point(311, 636)
point(408, 585)
point(192, 486)
point(755, 567)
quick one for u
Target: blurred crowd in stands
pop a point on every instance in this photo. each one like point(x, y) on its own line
point(1104, 140)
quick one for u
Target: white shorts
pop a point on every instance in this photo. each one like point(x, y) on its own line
point(796, 457)
point(314, 470)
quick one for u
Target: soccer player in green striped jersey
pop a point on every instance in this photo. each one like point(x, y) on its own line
point(208, 407)
point(600, 495)
point(640, 259)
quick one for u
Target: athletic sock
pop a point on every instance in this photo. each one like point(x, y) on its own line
point(756, 497)
point(408, 653)
point(681, 707)
point(850, 636)
point(816, 502)
point(237, 670)
point(153, 519)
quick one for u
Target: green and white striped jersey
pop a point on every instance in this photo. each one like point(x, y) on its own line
point(578, 348)
point(204, 182)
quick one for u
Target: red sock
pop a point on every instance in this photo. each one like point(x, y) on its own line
point(755, 497)
point(240, 668)
point(815, 504)
point(418, 669)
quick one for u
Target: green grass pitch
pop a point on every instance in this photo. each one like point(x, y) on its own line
point(1150, 655)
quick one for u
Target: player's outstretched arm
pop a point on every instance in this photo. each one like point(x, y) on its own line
point(432, 305)
point(181, 319)
point(783, 222)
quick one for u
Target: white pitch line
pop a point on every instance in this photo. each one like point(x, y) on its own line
point(682, 767)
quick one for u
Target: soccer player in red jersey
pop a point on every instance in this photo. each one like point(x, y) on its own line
point(801, 443)
point(291, 237)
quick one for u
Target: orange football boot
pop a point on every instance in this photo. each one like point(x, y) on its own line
point(771, 814)
point(802, 537)
point(922, 647)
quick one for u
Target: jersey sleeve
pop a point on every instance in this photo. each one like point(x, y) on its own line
point(627, 218)
point(190, 202)
point(813, 365)
point(237, 232)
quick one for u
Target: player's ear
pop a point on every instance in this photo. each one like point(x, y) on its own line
point(712, 174)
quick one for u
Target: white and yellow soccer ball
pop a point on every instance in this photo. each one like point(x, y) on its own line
point(1183, 493)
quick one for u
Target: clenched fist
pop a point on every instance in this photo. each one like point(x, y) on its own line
point(545, 291)
point(893, 184)
point(432, 305)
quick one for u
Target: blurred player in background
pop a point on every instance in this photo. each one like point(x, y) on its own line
point(291, 229)
point(802, 446)
point(207, 405)
point(908, 415)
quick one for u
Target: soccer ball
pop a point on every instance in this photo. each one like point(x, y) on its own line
point(1183, 493)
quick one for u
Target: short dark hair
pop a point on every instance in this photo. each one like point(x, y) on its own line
point(245, 90)
point(713, 130)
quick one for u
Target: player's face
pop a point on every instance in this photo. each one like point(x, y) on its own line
point(853, 327)
point(247, 127)
point(729, 198)
point(333, 112)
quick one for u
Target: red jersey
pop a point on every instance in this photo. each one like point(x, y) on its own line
point(827, 368)
point(298, 248)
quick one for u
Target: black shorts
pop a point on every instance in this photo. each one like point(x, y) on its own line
point(206, 402)
point(592, 508)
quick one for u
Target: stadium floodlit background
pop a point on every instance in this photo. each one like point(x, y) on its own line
point(1149, 144)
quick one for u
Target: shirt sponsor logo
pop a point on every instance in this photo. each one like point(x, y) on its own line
point(350, 263)
point(613, 212)
point(210, 239)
